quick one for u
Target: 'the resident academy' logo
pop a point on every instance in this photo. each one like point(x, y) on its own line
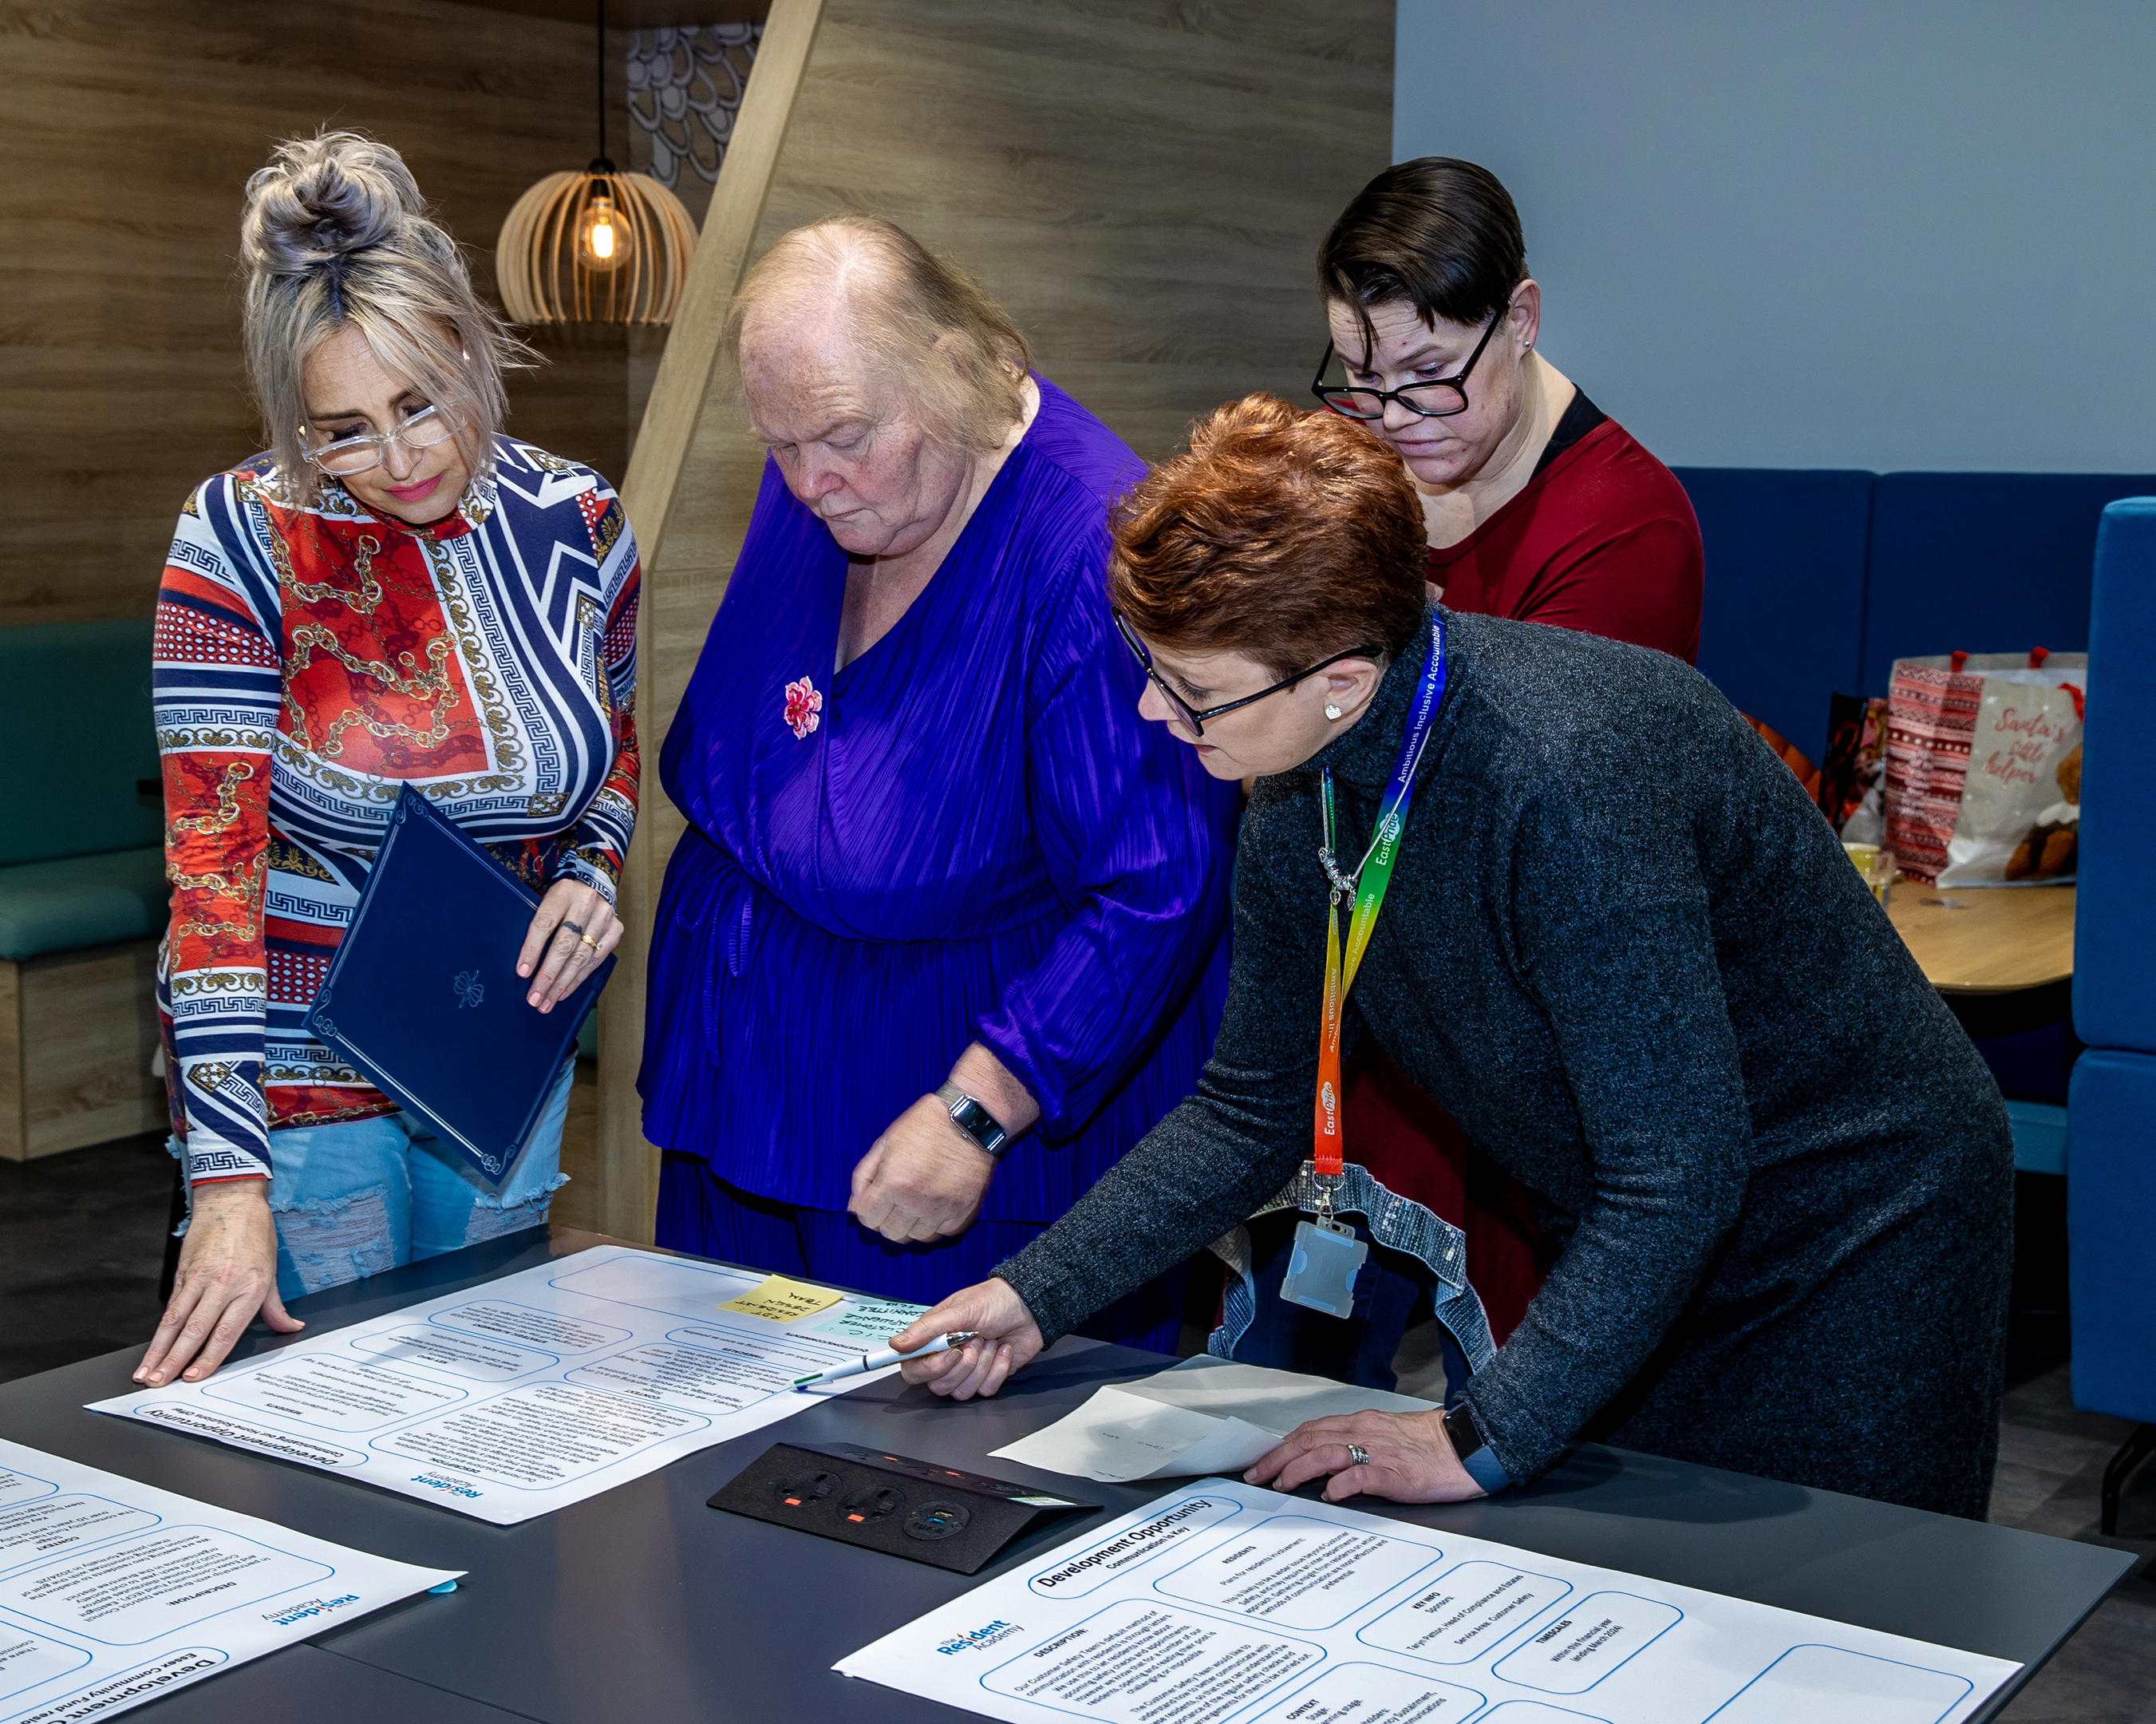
point(987, 1635)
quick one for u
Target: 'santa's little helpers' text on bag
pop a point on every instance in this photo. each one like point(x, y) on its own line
point(1983, 754)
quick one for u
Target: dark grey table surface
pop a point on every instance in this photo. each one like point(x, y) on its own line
point(643, 1602)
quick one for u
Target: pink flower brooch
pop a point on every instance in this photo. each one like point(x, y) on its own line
point(802, 704)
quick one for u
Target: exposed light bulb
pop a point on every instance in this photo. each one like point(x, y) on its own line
point(604, 240)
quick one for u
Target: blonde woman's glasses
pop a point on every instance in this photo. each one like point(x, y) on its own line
point(346, 455)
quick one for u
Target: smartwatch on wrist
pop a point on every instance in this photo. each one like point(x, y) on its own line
point(1480, 1460)
point(976, 1121)
point(1460, 1429)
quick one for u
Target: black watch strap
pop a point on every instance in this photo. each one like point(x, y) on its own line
point(976, 1121)
point(1460, 1428)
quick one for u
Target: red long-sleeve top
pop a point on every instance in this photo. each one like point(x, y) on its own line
point(1602, 539)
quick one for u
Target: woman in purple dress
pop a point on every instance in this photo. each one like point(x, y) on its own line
point(944, 936)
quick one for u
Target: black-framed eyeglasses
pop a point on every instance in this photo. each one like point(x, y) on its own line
point(1189, 714)
point(1440, 399)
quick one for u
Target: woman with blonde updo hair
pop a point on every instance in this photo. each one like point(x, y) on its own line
point(395, 593)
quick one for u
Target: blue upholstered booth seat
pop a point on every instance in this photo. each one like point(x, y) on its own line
point(2111, 1190)
point(2110, 1225)
point(2115, 931)
point(1983, 563)
point(1785, 562)
point(1818, 581)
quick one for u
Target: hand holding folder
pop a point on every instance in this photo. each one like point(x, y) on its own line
point(423, 1000)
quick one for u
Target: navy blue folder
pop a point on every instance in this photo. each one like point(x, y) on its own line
point(423, 1000)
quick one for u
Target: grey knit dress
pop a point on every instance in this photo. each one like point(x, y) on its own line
point(1625, 951)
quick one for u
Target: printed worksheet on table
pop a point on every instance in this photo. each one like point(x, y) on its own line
point(537, 1390)
point(113, 1594)
point(1226, 1602)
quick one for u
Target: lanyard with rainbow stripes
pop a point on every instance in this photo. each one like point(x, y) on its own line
point(1367, 886)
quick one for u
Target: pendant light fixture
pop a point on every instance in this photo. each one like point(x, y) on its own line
point(596, 247)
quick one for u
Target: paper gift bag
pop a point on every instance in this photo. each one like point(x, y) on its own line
point(1984, 755)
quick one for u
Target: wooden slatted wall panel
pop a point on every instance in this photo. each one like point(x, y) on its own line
point(127, 132)
point(1143, 182)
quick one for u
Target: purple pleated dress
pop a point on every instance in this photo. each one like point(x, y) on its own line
point(967, 834)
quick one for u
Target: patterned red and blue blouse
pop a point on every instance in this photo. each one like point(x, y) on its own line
point(310, 661)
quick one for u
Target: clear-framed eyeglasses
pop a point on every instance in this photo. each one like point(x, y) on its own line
point(1441, 397)
point(362, 452)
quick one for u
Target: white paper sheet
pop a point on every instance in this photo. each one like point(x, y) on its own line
point(1205, 1415)
point(113, 1594)
point(1228, 1600)
point(525, 1394)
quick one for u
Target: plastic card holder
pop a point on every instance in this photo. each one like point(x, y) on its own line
point(1321, 1270)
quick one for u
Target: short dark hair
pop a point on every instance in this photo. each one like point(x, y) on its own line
point(1284, 535)
point(1439, 234)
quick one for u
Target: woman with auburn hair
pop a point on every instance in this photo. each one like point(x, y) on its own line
point(1593, 915)
point(942, 939)
point(393, 594)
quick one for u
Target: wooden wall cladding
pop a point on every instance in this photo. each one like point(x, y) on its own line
point(126, 133)
point(1143, 182)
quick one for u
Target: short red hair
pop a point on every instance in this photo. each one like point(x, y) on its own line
point(1282, 535)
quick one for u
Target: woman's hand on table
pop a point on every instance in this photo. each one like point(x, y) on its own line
point(571, 934)
point(924, 1178)
point(227, 1273)
point(1005, 1339)
point(1411, 1458)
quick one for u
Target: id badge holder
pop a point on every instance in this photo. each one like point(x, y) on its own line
point(1322, 1267)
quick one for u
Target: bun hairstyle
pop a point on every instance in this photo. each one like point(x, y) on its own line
point(336, 235)
point(1284, 535)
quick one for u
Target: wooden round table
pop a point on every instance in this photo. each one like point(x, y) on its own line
point(1986, 939)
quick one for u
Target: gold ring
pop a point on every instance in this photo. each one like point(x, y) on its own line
point(588, 941)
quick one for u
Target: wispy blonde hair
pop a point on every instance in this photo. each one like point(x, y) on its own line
point(336, 235)
point(922, 324)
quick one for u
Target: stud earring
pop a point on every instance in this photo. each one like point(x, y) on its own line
point(1331, 711)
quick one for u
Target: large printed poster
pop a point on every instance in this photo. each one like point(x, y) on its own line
point(113, 1594)
point(1227, 1601)
point(537, 1390)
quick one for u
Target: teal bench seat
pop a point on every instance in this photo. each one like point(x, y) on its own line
point(81, 901)
point(82, 886)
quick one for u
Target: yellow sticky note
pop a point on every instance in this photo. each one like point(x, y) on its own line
point(777, 1299)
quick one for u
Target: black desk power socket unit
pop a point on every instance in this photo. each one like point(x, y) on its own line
point(890, 1503)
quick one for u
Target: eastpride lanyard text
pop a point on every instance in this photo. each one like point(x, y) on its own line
point(1366, 884)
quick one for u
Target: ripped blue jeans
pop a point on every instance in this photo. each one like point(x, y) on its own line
point(355, 1199)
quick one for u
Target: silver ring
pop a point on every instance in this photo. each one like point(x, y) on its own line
point(1357, 1454)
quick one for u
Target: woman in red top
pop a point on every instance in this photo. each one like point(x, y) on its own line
point(1539, 506)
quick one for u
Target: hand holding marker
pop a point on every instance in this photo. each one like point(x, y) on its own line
point(879, 1358)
